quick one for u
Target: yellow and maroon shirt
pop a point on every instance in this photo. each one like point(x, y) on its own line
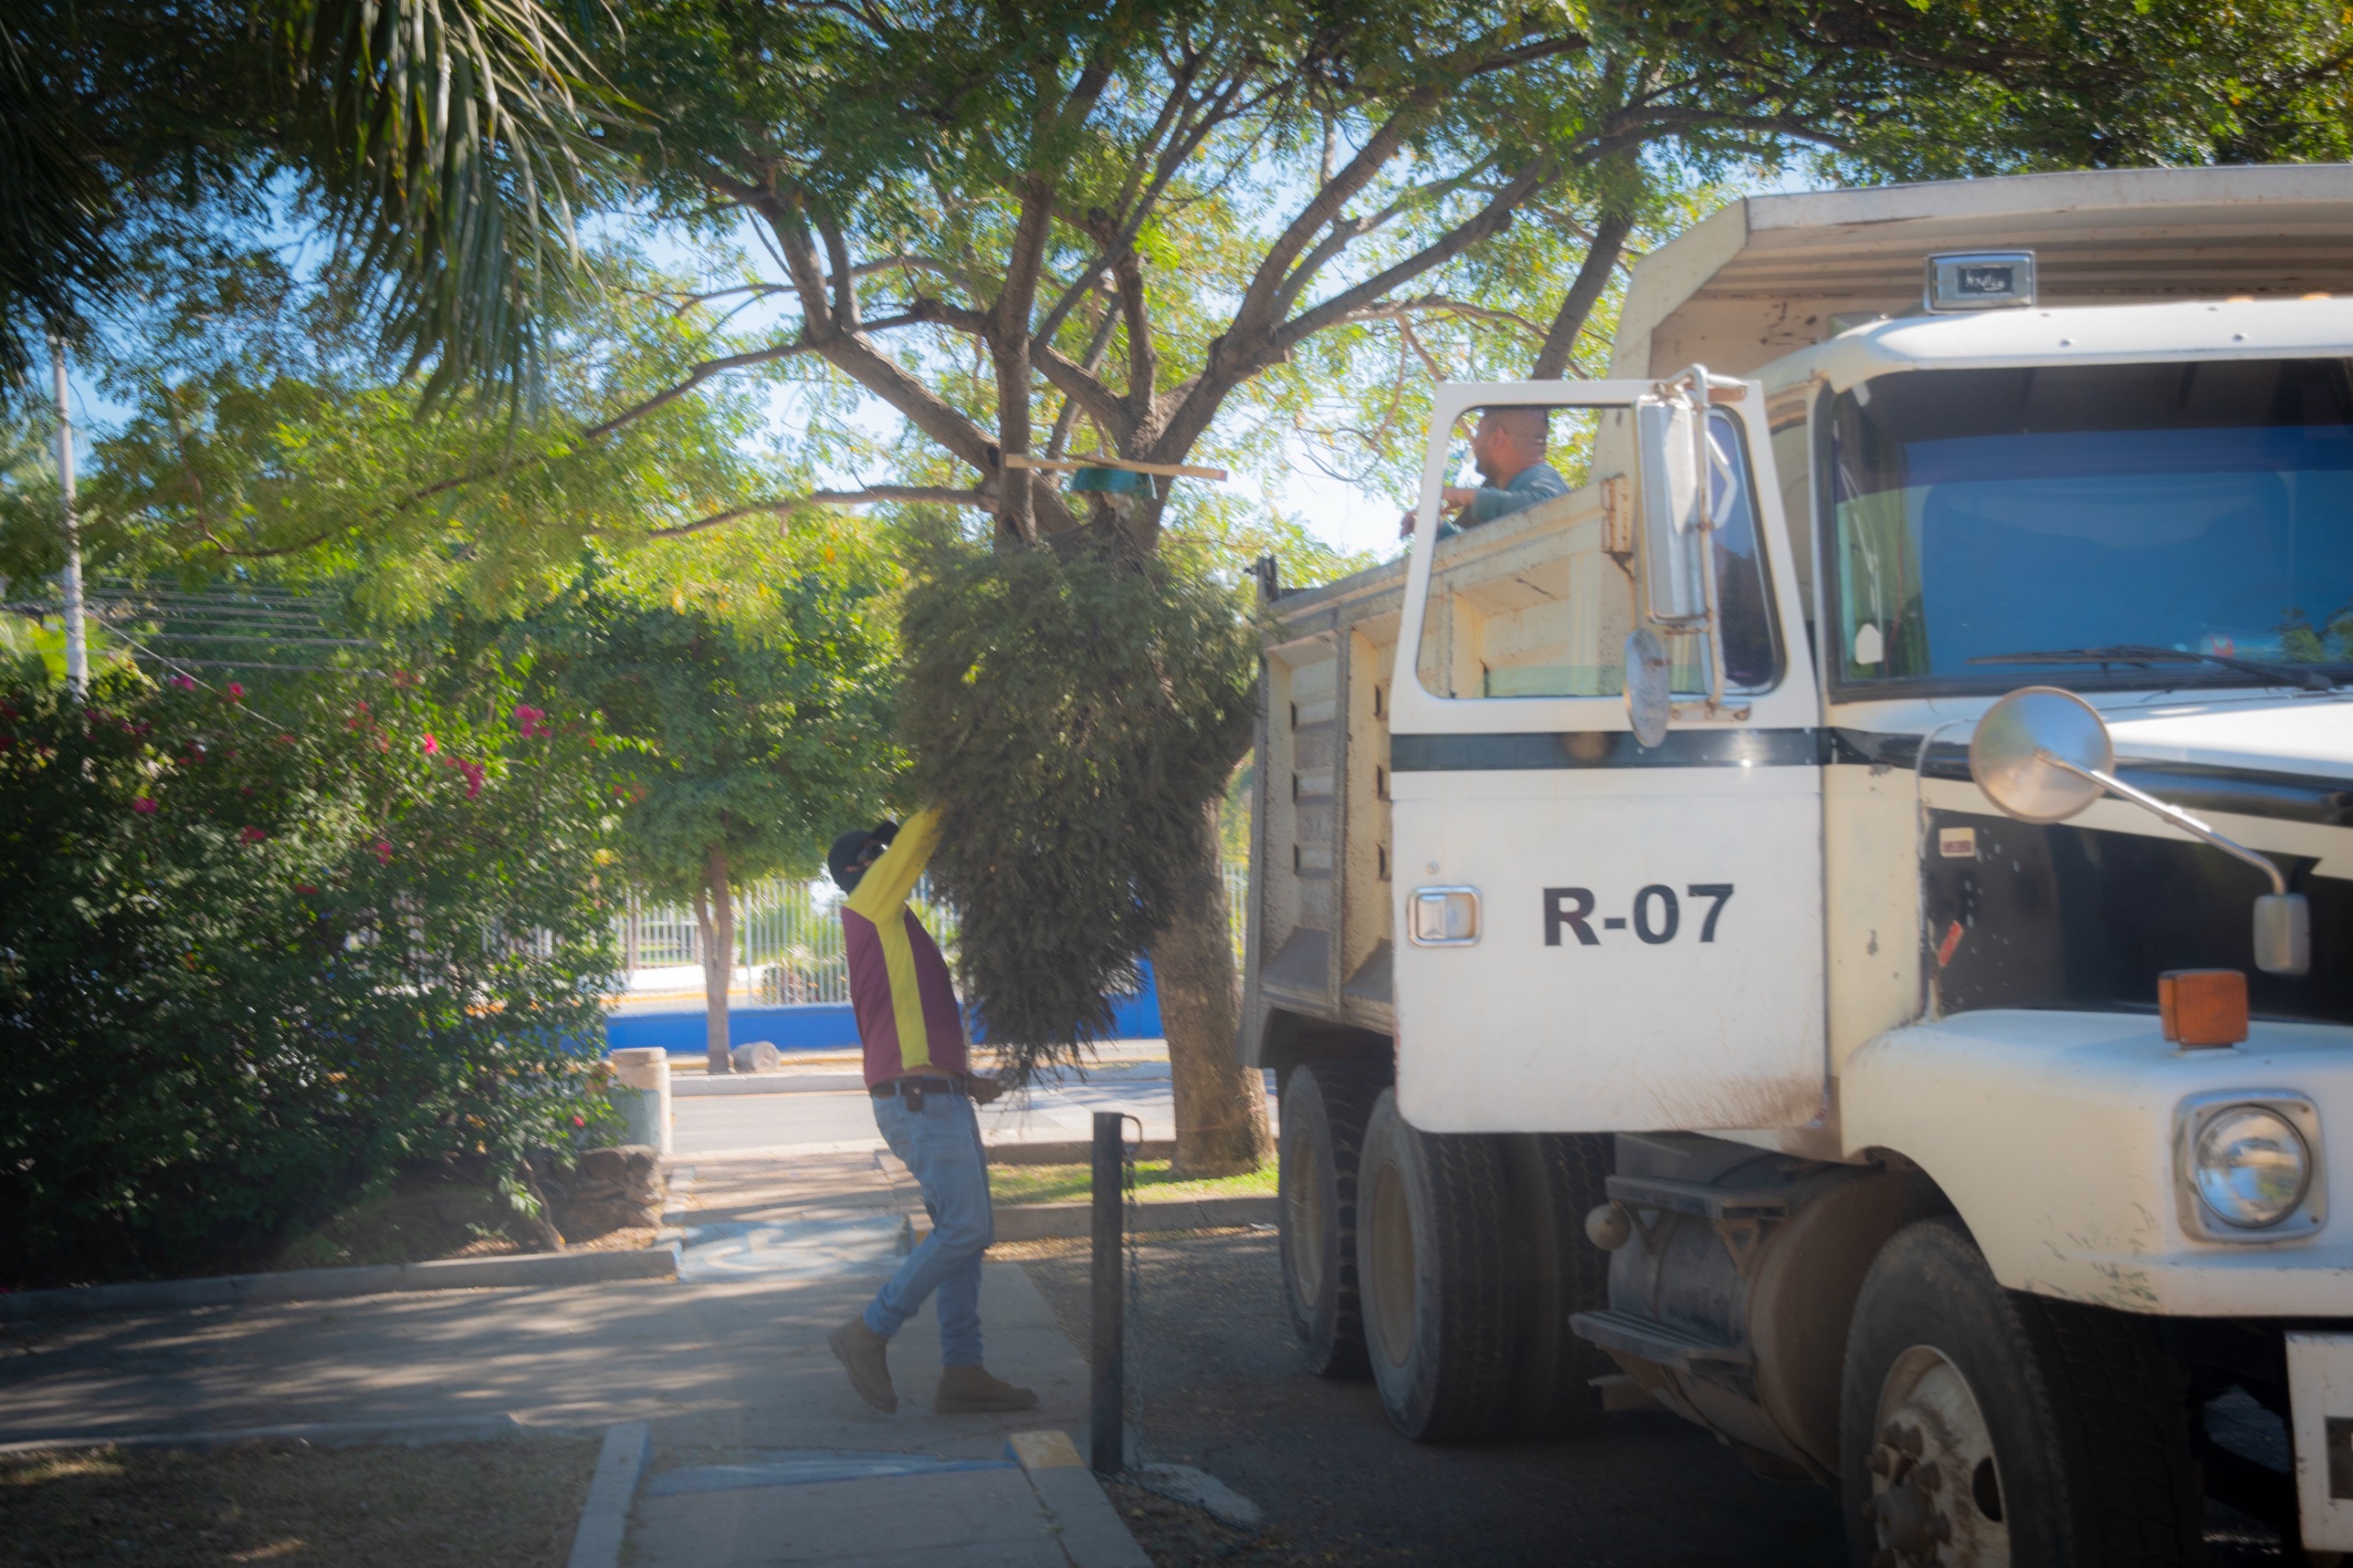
point(899, 984)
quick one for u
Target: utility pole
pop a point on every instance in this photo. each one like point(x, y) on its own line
point(77, 647)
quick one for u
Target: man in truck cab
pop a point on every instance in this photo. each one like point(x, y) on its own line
point(1508, 448)
point(913, 1033)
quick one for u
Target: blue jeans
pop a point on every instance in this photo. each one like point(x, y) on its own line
point(941, 1145)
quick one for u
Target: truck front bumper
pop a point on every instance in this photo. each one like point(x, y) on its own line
point(2319, 1393)
point(2056, 1136)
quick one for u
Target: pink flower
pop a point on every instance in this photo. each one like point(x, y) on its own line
point(383, 852)
point(252, 834)
point(432, 747)
point(144, 806)
point(236, 692)
point(182, 682)
point(305, 887)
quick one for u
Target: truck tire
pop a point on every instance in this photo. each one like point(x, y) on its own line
point(1441, 1278)
point(1979, 1426)
point(1324, 1111)
point(1557, 1180)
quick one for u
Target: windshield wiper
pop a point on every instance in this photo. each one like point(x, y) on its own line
point(2149, 654)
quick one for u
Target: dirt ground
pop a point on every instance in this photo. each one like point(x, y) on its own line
point(493, 1504)
point(1223, 1388)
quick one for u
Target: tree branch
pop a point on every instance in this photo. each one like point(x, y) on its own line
point(1592, 278)
point(944, 495)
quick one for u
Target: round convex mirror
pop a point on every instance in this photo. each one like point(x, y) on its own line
point(2016, 753)
point(1649, 698)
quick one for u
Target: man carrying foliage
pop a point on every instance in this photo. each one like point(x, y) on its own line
point(913, 1036)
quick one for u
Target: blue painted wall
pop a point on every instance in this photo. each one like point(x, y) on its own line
point(817, 1025)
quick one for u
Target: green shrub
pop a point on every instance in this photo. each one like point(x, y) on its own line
point(251, 961)
point(1070, 710)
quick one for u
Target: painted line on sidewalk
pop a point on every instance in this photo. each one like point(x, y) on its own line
point(810, 1466)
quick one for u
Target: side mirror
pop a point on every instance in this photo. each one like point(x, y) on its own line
point(2042, 754)
point(1689, 480)
point(1674, 509)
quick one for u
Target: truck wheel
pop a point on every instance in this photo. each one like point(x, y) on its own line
point(1324, 1110)
point(1557, 1180)
point(1435, 1255)
point(1984, 1428)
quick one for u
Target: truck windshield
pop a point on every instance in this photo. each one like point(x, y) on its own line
point(2202, 508)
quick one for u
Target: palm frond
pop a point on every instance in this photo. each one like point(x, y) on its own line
point(451, 140)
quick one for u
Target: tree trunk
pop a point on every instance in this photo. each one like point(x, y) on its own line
point(1220, 1105)
point(715, 922)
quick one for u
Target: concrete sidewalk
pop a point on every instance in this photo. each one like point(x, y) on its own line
point(762, 1454)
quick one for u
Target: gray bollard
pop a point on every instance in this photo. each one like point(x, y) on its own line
point(641, 1092)
point(1109, 1361)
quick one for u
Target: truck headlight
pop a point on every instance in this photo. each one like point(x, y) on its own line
point(2249, 1166)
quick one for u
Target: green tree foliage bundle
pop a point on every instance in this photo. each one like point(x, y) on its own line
point(255, 952)
point(1071, 708)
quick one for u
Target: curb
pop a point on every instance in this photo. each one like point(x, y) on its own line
point(1092, 1532)
point(1074, 1152)
point(604, 1517)
point(1052, 1221)
point(329, 1284)
point(317, 1434)
point(685, 1088)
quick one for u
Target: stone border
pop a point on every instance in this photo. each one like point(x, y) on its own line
point(544, 1269)
point(597, 1540)
point(1091, 1529)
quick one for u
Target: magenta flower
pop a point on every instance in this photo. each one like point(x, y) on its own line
point(252, 834)
point(182, 682)
point(383, 852)
point(236, 692)
point(144, 806)
point(432, 747)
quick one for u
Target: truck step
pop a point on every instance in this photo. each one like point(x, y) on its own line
point(1699, 1199)
point(1664, 1343)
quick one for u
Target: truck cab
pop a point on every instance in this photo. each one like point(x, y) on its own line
point(1837, 926)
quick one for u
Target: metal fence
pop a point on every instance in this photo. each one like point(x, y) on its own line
point(789, 936)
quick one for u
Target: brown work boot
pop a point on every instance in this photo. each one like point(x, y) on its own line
point(970, 1391)
point(864, 1353)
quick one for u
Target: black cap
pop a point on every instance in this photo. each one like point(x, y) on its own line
point(845, 854)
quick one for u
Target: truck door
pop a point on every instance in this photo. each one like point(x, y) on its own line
point(1596, 933)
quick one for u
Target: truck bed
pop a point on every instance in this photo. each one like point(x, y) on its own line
point(1510, 609)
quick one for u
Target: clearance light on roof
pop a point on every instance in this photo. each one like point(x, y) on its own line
point(1979, 280)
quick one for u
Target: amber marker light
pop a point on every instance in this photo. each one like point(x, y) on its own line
point(2203, 1008)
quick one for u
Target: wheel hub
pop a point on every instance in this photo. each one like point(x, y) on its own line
point(1935, 1490)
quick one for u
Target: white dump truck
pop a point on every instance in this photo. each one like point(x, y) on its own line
point(1839, 925)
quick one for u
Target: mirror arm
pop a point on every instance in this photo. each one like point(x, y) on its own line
point(2174, 815)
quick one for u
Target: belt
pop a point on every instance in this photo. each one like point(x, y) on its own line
point(912, 1089)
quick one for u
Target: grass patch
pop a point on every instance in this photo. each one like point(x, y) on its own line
point(1064, 1184)
point(508, 1504)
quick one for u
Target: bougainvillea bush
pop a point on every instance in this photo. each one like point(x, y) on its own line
point(258, 950)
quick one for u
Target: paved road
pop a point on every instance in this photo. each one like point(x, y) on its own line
point(1223, 1389)
point(835, 1115)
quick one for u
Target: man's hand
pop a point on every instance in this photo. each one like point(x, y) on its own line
point(1453, 498)
point(982, 1090)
